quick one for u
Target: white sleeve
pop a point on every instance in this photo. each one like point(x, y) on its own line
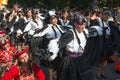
point(17, 18)
point(42, 33)
point(40, 26)
point(101, 23)
point(19, 31)
point(53, 47)
point(27, 27)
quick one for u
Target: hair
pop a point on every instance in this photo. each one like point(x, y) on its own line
point(29, 64)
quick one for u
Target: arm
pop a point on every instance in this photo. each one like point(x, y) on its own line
point(65, 39)
point(27, 27)
point(42, 32)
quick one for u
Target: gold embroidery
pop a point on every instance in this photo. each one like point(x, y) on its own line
point(25, 75)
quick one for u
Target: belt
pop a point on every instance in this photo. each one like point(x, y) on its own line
point(107, 36)
point(74, 54)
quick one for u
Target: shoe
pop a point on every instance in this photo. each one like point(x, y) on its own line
point(103, 76)
point(117, 71)
point(99, 77)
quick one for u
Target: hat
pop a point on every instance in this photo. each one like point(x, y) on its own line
point(20, 52)
point(52, 17)
point(79, 19)
point(52, 12)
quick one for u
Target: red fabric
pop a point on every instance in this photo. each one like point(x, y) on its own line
point(7, 42)
point(13, 73)
point(117, 66)
point(20, 53)
point(2, 32)
point(38, 72)
point(7, 55)
point(112, 58)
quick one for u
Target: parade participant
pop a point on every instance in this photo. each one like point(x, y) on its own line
point(24, 69)
point(33, 27)
point(95, 22)
point(12, 19)
point(80, 52)
point(64, 21)
point(6, 54)
point(28, 15)
point(117, 32)
point(53, 31)
point(51, 34)
point(94, 18)
point(18, 30)
point(4, 15)
point(13, 13)
point(107, 45)
point(74, 65)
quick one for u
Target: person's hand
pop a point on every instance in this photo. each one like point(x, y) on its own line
point(18, 35)
point(24, 36)
point(37, 30)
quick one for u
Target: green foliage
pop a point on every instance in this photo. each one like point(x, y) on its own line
point(26, 3)
point(79, 4)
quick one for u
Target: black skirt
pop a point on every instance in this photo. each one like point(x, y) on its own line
point(80, 68)
point(75, 68)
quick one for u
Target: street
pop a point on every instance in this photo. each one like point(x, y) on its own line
point(110, 71)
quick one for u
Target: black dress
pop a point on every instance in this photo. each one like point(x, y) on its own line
point(80, 68)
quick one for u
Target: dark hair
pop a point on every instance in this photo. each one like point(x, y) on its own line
point(106, 13)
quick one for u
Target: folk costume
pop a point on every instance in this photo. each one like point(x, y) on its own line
point(6, 54)
point(51, 34)
point(19, 72)
point(81, 53)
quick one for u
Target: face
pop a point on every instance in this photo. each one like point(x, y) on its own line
point(36, 17)
point(54, 21)
point(29, 13)
point(79, 27)
point(24, 58)
point(118, 14)
point(15, 8)
point(105, 17)
point(65, 14)
point(5, 9)
point(21, 16)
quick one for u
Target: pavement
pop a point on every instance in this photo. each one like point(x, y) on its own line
point(110, 71)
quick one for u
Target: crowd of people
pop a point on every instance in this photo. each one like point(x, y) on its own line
point(55, 44)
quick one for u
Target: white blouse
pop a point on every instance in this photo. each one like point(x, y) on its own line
point(31, 26)
point(73, 46)
point(49, 32)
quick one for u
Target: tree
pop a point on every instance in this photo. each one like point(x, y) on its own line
point(79, 4)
